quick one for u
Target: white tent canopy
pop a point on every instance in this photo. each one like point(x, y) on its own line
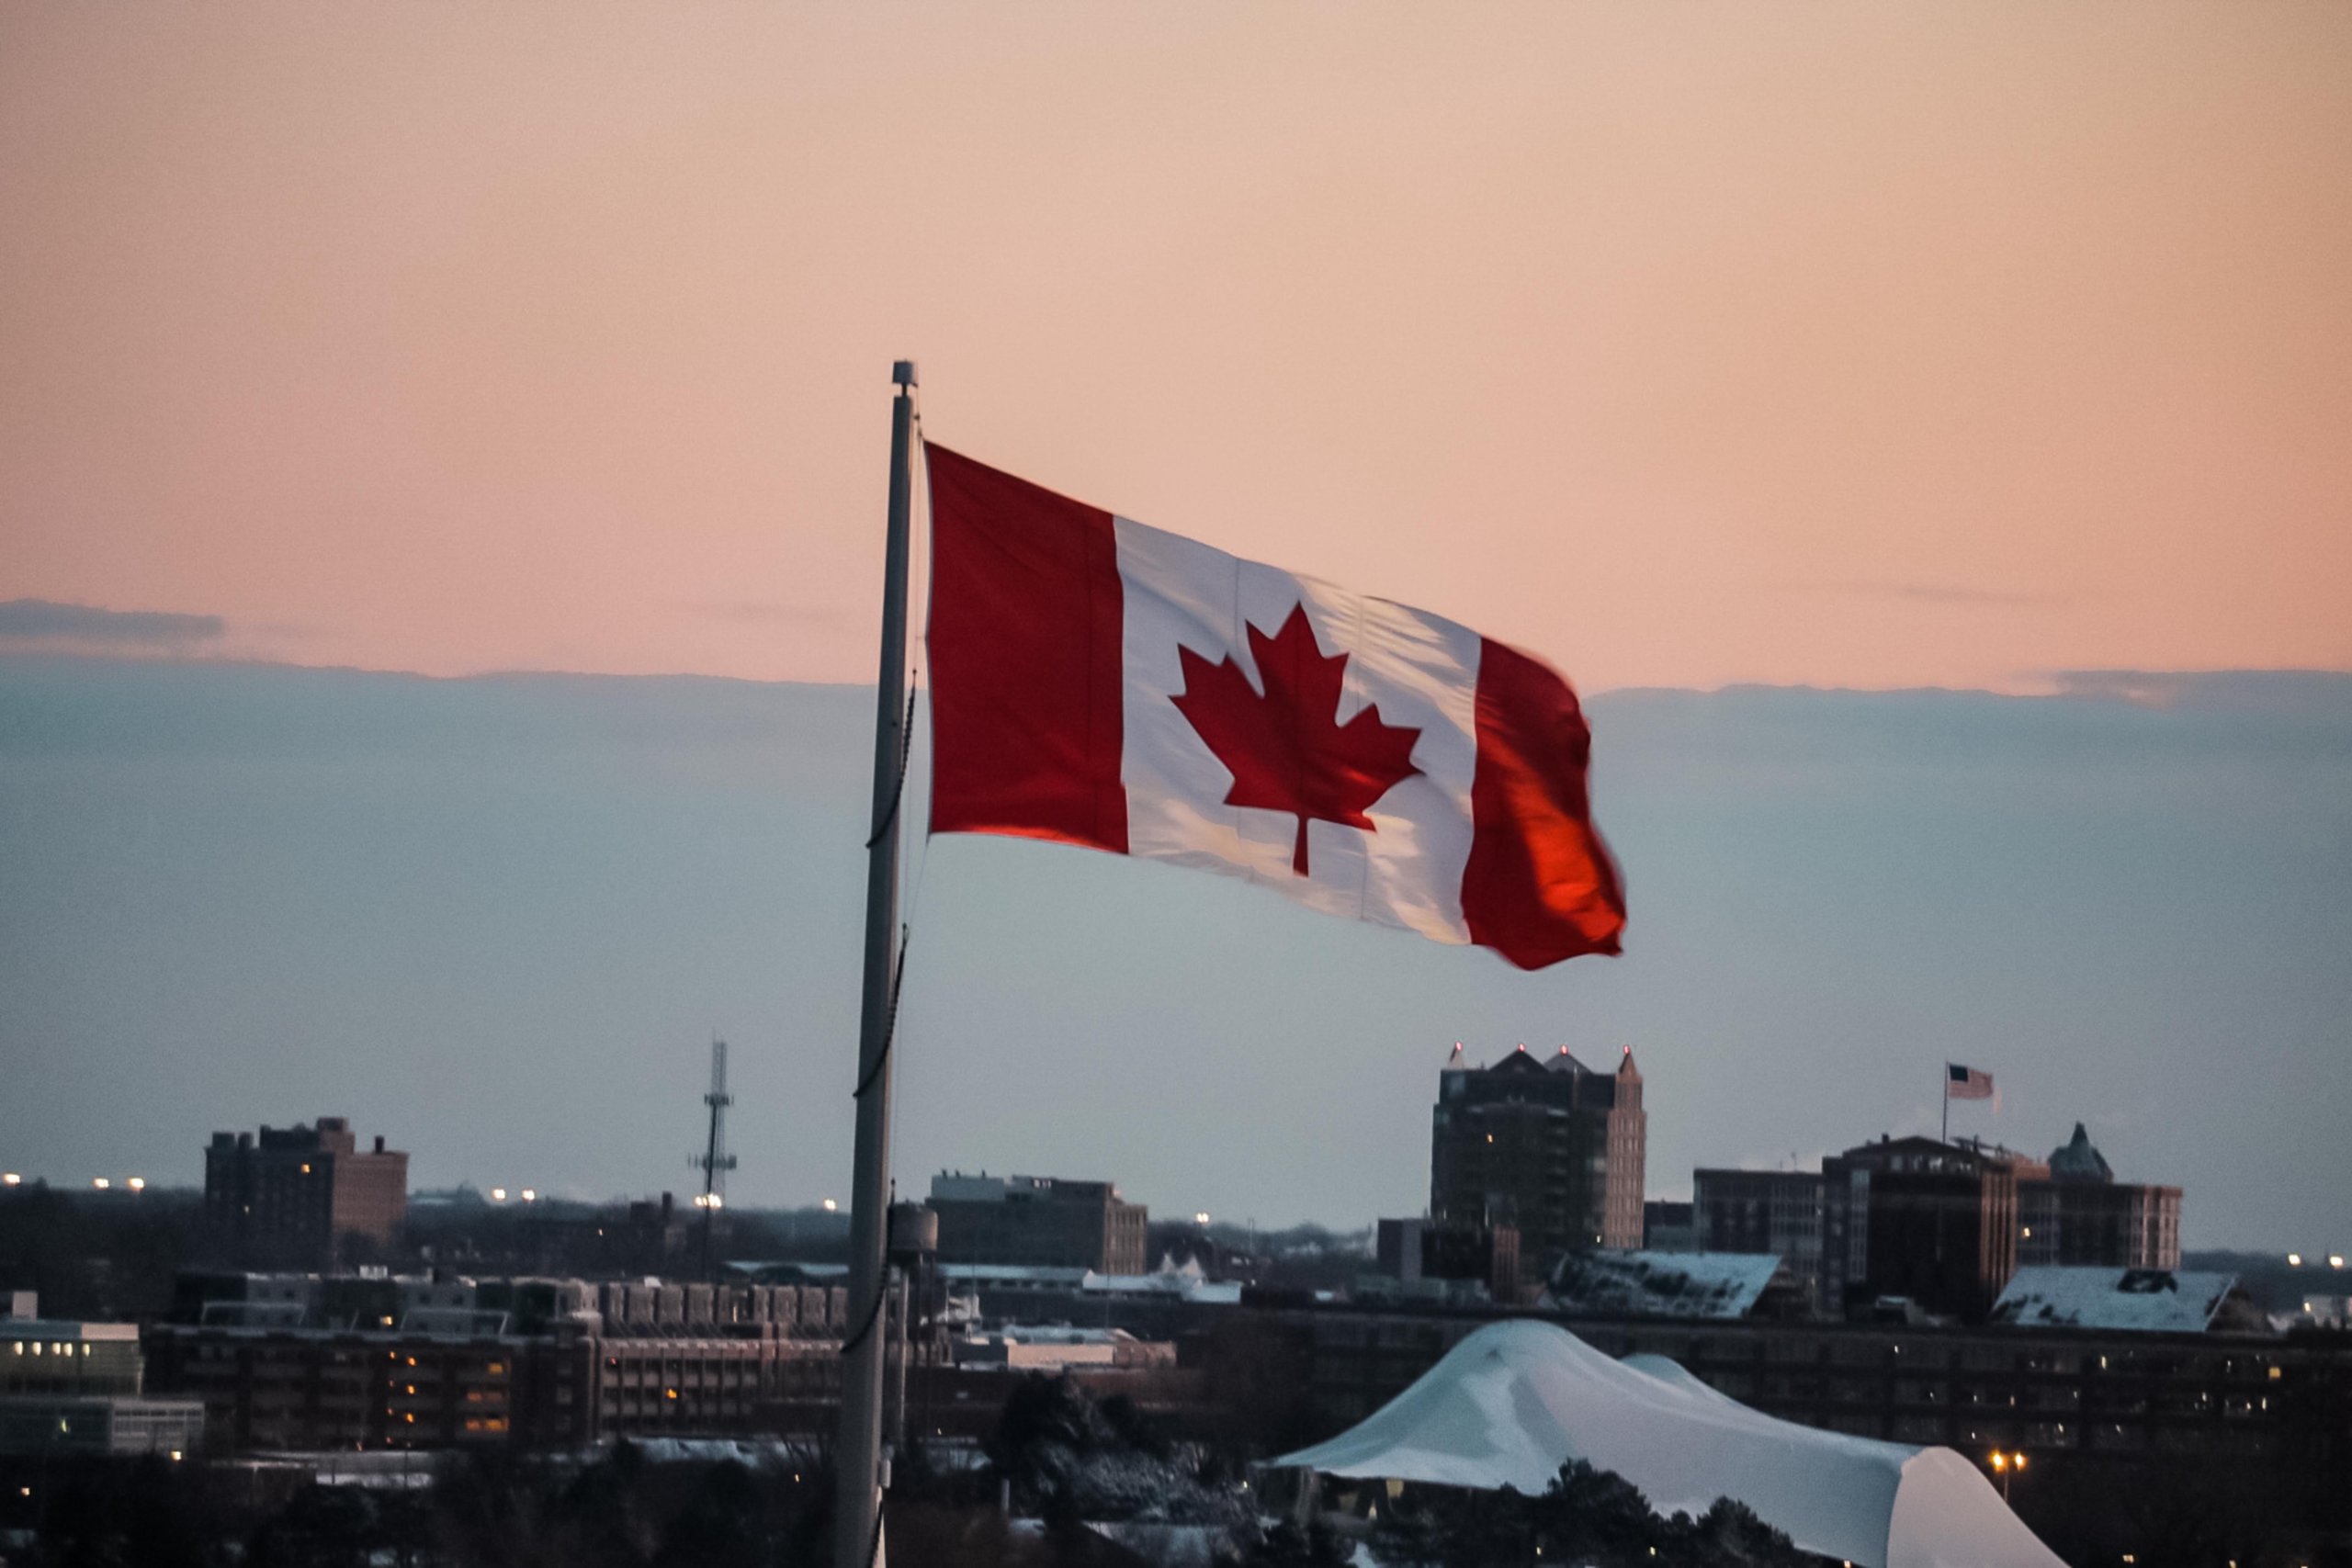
point(1515, 1400)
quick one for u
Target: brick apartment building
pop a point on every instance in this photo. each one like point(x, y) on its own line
point(301, 1196)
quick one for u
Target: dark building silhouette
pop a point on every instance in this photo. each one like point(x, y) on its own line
point(1932, 1223)
point(1546, 1146)
point(1776, 1212)
point(1415, 1249)
point(1037, 1222)
point(1669, 1227)
point(301, 1196)
point(2076, 1212)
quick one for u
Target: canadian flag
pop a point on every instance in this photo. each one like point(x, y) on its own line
point(1095, 682)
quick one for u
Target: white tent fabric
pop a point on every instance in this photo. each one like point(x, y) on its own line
point(1516, 1400)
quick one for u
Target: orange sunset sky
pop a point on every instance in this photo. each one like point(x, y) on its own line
point(1865, 344)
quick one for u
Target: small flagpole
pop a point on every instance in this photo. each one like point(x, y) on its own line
point(1947, 1093)
point(858, 1518)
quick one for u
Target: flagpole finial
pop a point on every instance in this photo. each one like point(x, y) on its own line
point(902, 373)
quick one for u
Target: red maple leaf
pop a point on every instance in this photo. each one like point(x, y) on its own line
point(1283, 750)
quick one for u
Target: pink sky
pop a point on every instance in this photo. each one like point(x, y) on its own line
point(1859, 345)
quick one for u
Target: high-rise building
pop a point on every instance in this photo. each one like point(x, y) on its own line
point(1545, 1146)
point(1932, 1223)
point(1037, 1222)
point(2074, 1211)
point(301, 1196)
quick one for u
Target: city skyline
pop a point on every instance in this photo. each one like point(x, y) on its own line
point(264, 895)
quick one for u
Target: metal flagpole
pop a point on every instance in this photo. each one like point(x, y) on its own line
point(1947, 1094)
point(858, 1516)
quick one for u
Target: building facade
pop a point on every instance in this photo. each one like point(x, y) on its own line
point(301, 1362)
point(1932, 1224)
point(2075, 1214)
point(70, 1389)
point(1778, 1211)
point(1547, 1146)
point(1037, 1222)
point(301, 1196)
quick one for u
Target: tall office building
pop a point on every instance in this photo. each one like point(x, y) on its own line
point(1037, 1221)
point(1543, 1144)
point(301, 1196)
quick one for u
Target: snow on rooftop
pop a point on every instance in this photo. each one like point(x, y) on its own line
point(1662, 1284)
point(2145, 1301)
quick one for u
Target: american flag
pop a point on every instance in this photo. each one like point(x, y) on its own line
point(1966, 1083)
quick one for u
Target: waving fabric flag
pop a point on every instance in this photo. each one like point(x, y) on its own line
point(1095, 682)
point(1966, 1083)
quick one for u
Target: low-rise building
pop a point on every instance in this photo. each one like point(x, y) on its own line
point(79, 1388)
point(1040, 1221)
point(1058, 1347)
point(2145, 1301)
point(303, 1362)
point(1718, 1285)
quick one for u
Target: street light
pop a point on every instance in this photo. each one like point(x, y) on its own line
point(2294, 1261)
point(10, 1179)
point(2004, 1465)
point(530, 1194)
point(100, 1182)
point(498, 1194)
point(831, 1205)
point(139, 1184)
point(1202, 1218)
point(2335, 1260)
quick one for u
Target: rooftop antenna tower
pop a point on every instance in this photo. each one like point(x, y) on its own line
point(714, 1162)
